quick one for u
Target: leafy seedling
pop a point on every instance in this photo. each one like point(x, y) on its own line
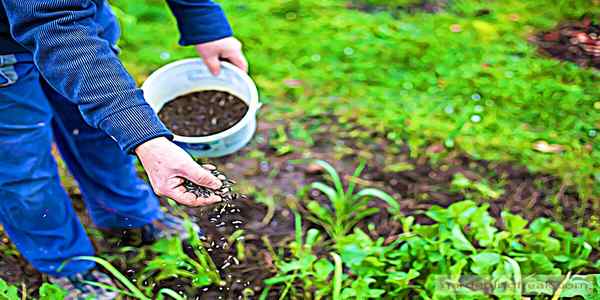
point(347, 207)
point(308, 269)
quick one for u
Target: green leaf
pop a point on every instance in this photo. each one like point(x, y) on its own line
point(401, 279)
point(393, 205)
point(459, 181)
point(311, 237)
point(279, 279)
point(8, 292)
point(483, 263)
point(462, 211)
point(514, 224)
point(337, 182)
point(322, 269)
point(360, 289)
point(488, 192)
point(320, 212)
point(124, 280)
point(459, 241)
point(171, 293)
point(541, 226)
point(286, 267)
point(438, 214)
point(541, 263)
point(457, 268)
point(337, 277)
point(201, 280)
point(353, 255)
point(51, 292)
point(357, 171)
point(483, 225)
point(170, 246)
point(325, 189)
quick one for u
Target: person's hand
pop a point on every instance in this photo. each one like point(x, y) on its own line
point(229, 49)
point(167, 165)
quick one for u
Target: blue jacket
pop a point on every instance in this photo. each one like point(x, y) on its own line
point(72, 42)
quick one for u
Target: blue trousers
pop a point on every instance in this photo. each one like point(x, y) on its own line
point(35, 211)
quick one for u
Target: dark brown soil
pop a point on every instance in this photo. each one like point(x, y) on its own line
point(202, 113)
point(578, 42)
point(417, 188)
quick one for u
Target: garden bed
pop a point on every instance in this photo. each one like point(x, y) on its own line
point(264, 173)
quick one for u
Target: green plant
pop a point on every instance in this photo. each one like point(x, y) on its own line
point(130, 288)
point(280, 141)
point(347, 206)
point(305, 271)
point(475, 189)
point(51, 292)
point(172, 262)
point(8, 292)
point(464, 243)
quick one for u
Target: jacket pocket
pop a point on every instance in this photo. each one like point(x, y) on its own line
point(8, 74)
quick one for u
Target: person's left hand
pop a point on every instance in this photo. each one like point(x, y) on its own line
point(228, 48)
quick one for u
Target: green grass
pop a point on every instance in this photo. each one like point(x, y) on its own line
point(483, 90)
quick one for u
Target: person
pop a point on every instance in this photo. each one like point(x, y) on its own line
point(61, 83)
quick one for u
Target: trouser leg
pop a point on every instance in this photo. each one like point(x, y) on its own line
point(35, 211)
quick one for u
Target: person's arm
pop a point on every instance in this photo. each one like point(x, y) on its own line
point(203, 23)
point(76, 62)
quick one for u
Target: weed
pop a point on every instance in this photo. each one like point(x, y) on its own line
point(130, 288)
point(463, 244)
point(172, 262)
point(305, 271)
point(52, 292)
point(347, 206)
point(8, 292)
point(475, 189)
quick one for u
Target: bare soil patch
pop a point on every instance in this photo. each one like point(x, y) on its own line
point(578, 42)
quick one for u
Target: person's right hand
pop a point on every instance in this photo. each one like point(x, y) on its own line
point(167, 165)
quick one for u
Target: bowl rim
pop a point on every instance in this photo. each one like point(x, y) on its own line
point(253, 100)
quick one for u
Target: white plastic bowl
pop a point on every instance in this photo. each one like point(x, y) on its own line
point(191, 75)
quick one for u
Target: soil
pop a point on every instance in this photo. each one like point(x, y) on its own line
point(578, 42)
point(417, 188)
point(202, 113)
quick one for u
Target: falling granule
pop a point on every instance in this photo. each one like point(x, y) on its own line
point(224, 216)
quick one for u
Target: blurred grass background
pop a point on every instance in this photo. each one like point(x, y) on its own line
point(464, 79)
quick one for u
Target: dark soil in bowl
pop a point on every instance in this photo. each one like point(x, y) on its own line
point(202, 113)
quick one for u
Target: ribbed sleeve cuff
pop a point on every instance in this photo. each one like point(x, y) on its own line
point(133, 126)
point(201, 25)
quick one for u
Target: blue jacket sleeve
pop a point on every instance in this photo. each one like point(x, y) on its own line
point(76, 62)
point(199, 21)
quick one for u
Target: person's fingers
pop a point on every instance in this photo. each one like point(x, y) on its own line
point(180, 195)
point(239, 60)
point(200, 176)
point(213, 64)
point(207, 201)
